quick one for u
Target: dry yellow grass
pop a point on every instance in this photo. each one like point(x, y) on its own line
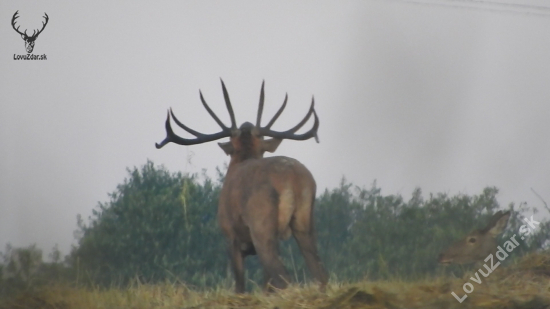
point(525, 284)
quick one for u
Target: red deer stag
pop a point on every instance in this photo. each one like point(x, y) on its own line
point(478, 244)
point(262, 199)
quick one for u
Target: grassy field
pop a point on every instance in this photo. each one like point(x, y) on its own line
point(525, 284)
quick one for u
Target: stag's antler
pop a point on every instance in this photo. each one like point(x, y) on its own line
point(289, 134)
point(200, 137)
point(227, 131)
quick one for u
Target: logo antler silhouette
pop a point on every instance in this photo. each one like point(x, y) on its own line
point(29, 40)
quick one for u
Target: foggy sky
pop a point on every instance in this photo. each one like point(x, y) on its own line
point(446, 98)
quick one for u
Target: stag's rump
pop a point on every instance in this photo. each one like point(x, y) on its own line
point(266, 194)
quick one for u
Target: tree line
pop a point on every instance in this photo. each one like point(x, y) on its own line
point(159, 226)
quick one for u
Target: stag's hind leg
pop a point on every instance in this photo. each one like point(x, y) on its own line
point(304, 232)
point(264, 225)
point(237, 264)
point(275, 273)
point(307, 245)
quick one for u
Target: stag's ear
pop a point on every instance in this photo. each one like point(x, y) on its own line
point(501, 220)
point(271, 144)
point(227, 148)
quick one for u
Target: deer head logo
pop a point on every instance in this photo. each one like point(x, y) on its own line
point(29, 40)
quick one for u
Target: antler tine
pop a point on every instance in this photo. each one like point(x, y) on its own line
point(186, 128)
point(260, 106)
point(315, 126)
point(201, 138)
point(220, 123)
point(229, 107)
point(277, 114)
point(289, 134)
point(13, 22)
point(306, 118)
point(169, 133)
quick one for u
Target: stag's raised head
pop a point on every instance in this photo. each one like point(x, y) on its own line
point(262, 199)
point(29, 40)
point(478, 244)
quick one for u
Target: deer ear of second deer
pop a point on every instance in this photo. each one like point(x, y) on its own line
point(478, 244)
